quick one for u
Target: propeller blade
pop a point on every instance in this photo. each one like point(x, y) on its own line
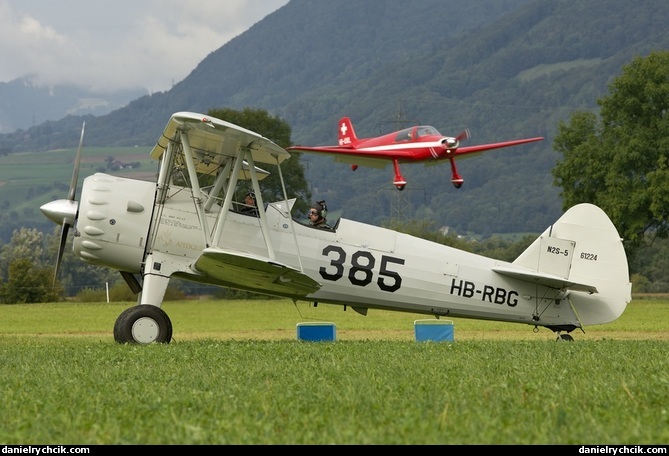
point(61, 249)
point(68, 219)
point(77, 161)
point(464, 135)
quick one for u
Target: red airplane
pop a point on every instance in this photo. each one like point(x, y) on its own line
point(421, 143)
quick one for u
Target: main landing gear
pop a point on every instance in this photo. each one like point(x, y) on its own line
point(143, 324)
point(565, 338)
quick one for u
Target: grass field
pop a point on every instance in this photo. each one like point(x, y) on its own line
point(235, 374)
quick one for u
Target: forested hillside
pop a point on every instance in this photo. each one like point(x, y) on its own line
point(505, 69)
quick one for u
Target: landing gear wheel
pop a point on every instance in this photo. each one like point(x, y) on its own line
point(143, 324)
point(565, 338)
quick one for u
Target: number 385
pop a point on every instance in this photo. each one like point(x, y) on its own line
point(361, 270)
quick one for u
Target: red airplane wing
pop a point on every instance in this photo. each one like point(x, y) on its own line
point(380, 156)
point(483, 147)
point(374, 159)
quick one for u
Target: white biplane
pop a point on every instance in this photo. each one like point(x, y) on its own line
point(574, 274)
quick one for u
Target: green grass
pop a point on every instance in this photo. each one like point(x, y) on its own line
point(235, 374)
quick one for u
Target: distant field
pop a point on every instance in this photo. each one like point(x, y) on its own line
point(30, 179)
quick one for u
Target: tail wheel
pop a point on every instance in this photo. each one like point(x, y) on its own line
point(143, 324)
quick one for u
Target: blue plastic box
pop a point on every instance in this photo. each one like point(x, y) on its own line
point(434, 330)
point(317, 332)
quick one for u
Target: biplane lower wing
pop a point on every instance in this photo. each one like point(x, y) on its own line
point(247, 271)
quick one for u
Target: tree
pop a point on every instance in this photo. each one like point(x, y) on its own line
point(27, 243)
point(41, 250)
point(619, 160)
point(277, 131)
point(28, 283)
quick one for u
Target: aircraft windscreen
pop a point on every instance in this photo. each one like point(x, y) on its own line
point(427, 131)
point(404, 135)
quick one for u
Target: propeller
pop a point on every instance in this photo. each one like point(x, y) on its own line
point(64, 212)
point(464, 135)
point(451, 144)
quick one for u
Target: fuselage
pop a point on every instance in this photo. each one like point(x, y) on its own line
point(358, 265)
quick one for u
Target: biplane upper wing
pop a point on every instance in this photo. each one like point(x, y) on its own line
point(245, 270)
point(213, 142)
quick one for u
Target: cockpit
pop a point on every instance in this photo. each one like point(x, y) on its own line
point(413, 133)
point(426, 130)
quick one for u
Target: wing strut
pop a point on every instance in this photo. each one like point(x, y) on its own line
point(288, 216)
point(263, 216)
point(218, 185)
point(195, 187)
point(227, 202)
point(243, 153)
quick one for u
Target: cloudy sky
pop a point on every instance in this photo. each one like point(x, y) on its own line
point(117, 44)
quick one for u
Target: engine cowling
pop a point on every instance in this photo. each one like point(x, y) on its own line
point(114, 220)
point(450, 145)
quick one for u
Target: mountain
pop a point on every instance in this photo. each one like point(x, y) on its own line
point(24, 104)
point(505, 69)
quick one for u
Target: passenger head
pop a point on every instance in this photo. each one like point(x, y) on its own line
point(250, 198)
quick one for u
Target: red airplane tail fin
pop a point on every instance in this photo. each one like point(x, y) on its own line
point(347, 137)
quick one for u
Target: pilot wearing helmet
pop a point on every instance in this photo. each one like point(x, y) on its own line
point(317, 216)
point(250, 204)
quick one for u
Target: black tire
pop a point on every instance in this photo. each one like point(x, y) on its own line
point(143, 324)
point(565, 338)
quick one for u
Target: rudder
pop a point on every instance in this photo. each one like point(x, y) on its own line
point(584, 247)
point(347, 137)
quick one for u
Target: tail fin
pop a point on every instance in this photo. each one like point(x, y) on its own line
point(581, 252)
point(347, 137)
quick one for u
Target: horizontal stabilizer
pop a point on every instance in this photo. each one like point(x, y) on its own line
point(548, 280)
point(246, 271)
